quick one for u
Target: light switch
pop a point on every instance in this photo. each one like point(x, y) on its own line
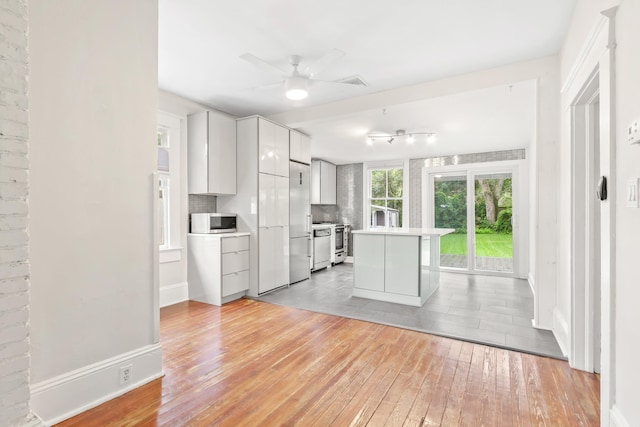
point(632, 193)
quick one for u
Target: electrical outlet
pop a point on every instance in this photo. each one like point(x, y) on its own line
point(125, 374)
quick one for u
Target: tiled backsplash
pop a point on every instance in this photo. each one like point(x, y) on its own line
point(349, 196)
point(415, 174)
point(324, 213)
point(202, 203)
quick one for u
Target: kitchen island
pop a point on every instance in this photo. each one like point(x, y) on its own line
point(400, 265)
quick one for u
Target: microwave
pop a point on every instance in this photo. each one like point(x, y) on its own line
point(210, 223)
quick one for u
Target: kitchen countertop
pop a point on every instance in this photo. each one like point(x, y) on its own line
point(397, 231)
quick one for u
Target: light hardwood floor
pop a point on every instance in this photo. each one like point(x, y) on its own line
point(258, 364)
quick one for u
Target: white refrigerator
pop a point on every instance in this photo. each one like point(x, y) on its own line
point(300, 244)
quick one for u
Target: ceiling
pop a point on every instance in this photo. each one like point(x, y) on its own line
point(389, 45)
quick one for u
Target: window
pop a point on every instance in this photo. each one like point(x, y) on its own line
point(169, 198)
point(386, 194)
point(164, 162)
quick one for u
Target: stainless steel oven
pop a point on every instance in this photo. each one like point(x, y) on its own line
point(340, 244)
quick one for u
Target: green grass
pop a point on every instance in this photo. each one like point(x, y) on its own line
point(489, 245)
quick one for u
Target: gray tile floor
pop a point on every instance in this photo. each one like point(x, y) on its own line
point(483, 309)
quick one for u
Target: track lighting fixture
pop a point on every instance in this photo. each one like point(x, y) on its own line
point(401, 133)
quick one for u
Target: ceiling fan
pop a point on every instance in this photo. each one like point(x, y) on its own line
point(297, 81)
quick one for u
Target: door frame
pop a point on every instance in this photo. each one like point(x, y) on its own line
point(515, 167)
point(585, 245)
point(598, 58)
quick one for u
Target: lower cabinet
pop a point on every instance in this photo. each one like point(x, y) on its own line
point(369, 270)
point(218, 267)
point(392, 268)
point(273, 264)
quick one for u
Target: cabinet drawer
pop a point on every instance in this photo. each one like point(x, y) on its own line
point(235, 244)
point(235, 261)
point(235, 282)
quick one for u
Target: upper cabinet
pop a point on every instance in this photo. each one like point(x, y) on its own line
point(211, 153)
point(299, 147)
point(323, 183)
point(273, 148)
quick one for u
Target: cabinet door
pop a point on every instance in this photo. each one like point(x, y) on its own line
point(266, 200)
point(368, 265)
point(197, 153)
point(266, 146)
point(282, 256)
point(222, 154)
point(402, 265)
point(281, 201)
point(294, 146)
point(327, 183)
point(304, 155)
point(266, 259)
point(281, 151)
point(315, 182)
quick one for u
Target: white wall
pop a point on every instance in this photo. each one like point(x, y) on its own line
point(627, 290)
point(94, 100)
point(626, 316)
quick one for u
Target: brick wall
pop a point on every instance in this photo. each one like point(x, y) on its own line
point(14, 190)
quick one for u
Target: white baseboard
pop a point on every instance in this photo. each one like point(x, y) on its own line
point(532, 284)
point(616, 419)
point(349, 260)
point(174, 294)
point(69, 394)
point(561, 331)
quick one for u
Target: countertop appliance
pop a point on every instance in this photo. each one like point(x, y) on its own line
point(340, 247)
point(321, 247)
point(212, 223)
point(300, 262)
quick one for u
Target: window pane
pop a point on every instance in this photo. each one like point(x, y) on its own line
point(395, 182)
point(378, 184)
point(163, 159)
point(394, 213)
point(378, 213)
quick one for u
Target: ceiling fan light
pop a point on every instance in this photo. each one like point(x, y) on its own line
point(411, 139)
point(296, 88)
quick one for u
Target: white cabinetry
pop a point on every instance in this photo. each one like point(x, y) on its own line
point(262, 200)
point(211, 153)
point(323, 183)
point(273, 148)
point(369, 270)
point(218, 267)
point(299, 147)
point(397, 265)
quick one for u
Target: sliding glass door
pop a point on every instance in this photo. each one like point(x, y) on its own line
point(478, 205)
point(450, 211)
point(493, 225)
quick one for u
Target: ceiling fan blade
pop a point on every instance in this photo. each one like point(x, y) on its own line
point(351, 80)
point(322, 63)
point(263, 64)
point(268, 86)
